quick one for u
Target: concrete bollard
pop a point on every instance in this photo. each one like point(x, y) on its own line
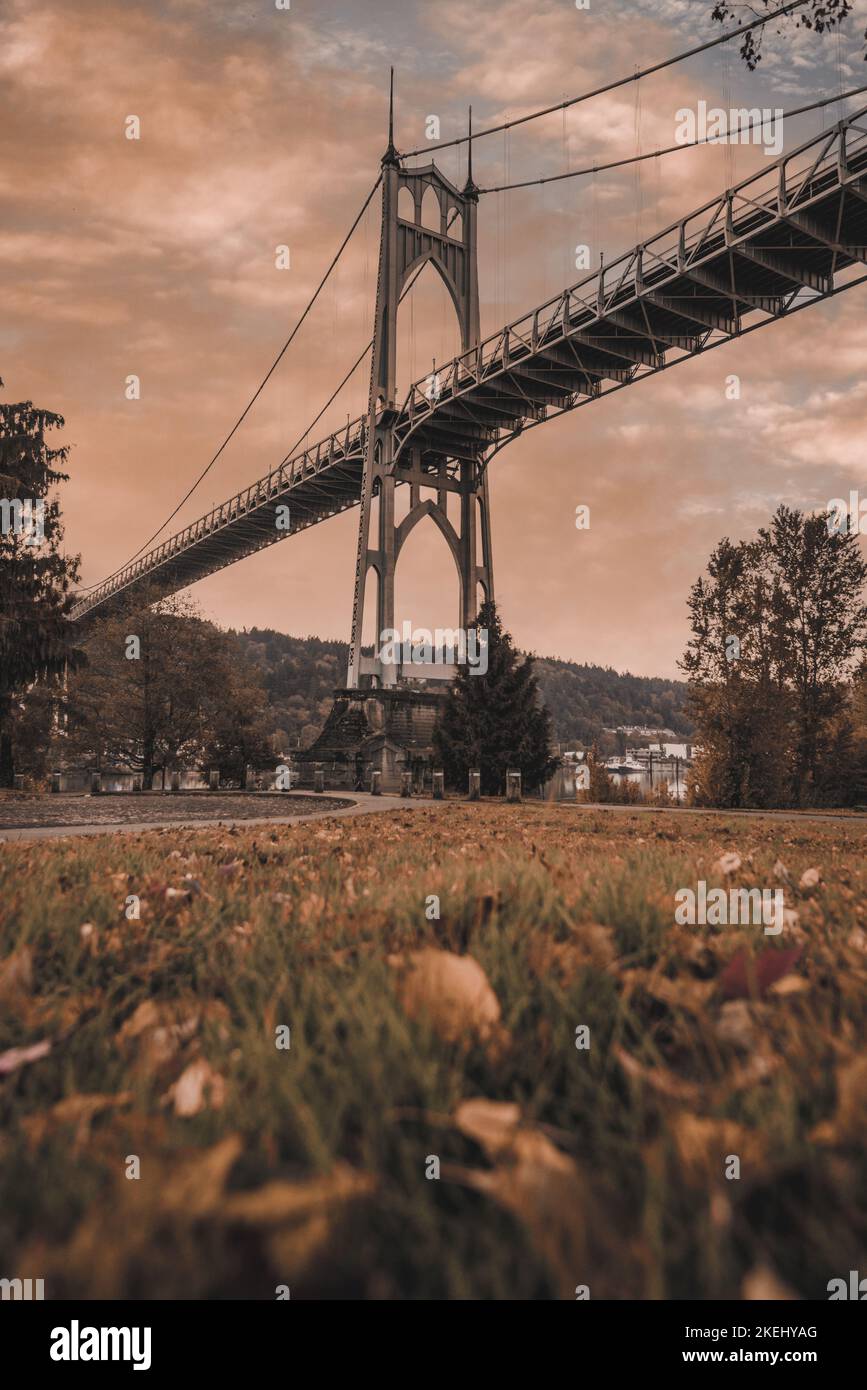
point(95, 783)
point(475, 784)
point(376, 783)
point(406, 784)
point(318, 777)
point(55, 781)
point(213, 779)
point(438, 784)
point(513, 784)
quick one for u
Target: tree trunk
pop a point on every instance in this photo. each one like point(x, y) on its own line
point(7, 769)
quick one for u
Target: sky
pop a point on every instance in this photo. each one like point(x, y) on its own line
point(263, 127)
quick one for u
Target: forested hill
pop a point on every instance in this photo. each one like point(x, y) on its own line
point(584, 699)
point(301, 674)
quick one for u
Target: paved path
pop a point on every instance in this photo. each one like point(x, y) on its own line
point(363, 803)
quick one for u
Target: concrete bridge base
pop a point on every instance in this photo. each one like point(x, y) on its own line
point(386, 731)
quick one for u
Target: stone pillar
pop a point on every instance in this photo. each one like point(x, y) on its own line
point(176, 781)
point(137, 781)
point(513, 784)
point(213, 779)
point(375, 783)
point(318, 777)
point(95, 783)
point(475, 784)
point(249, 778)
point(406, 784)
point(438, 784)
point(55, 781)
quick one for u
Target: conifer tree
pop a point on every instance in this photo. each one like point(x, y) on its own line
point(35, 576)
point(495, 721)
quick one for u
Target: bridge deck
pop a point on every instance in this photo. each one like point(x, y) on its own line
point(784, 238)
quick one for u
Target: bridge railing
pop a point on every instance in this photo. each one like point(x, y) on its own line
point(759, 198)
point(343, 443)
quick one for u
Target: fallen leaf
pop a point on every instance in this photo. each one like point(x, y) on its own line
point(789, 984)
point(735, 1024)
point(857, 939)
point(542, 1188)
point(663, 1082)
point(492, 1124)
point(279, 1202)
point(78, 1110)
point(782, 873)
point(198, 1088)
point(761, 1284)
point(16, 973)
point(17, 1057)
point(847, 1124)
point(747, 975)
point(451, 992)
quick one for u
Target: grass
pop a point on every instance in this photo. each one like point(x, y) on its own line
point(305, 1166)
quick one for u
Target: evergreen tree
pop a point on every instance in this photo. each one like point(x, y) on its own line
point(35, 577)
point(495, 721)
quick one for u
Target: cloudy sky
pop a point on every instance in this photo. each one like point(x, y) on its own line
point(263, 127)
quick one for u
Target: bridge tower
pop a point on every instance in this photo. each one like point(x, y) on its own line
point(405, 246)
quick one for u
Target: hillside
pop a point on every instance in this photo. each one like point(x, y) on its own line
point(301, 673)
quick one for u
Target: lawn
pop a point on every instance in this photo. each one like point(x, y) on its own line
point(461, 1051)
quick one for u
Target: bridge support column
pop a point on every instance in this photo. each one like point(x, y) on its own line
point(407, 243)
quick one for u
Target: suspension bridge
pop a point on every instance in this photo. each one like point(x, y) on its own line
point(788, 237)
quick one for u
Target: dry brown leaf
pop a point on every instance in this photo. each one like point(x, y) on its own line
point(78, 1110)
point(544, 1190)
point(790, 984)
point(848, 1125)
point(761, 1284)
point(280, 1202)
point(16, 1057)
point(16, 974)
point(197, 1088)
point(451, 992)
point(665, 1083)
point(196, 1187)
point(491, 1123)
point(735, 1024)
point(690, 995)
point(703, 1144)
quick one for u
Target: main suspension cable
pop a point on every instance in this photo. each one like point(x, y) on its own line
point(259, 389)
point(611, 86)
point(671, 149)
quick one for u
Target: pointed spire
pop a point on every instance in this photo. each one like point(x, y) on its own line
point(469, 186)
point(390, 156)
point(391, 107)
